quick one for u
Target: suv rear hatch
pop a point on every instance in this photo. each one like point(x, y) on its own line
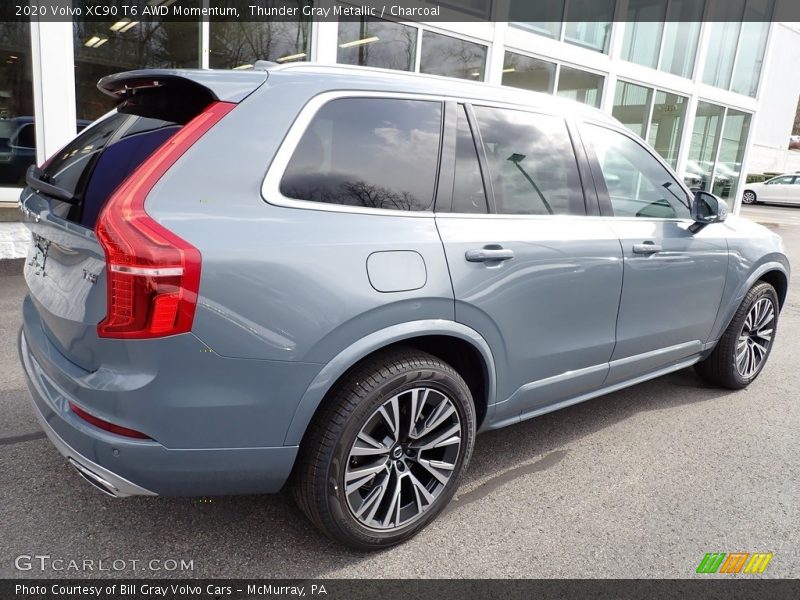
point(99, 267)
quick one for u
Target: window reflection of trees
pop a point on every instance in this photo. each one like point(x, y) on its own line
point(356, 193)
point(144, 45)
point(237, 43)
point(15, 75)
point(395, 47)
point(444, 55)
point(368, 152)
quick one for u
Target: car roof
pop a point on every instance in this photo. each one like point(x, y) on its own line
point(371, 78)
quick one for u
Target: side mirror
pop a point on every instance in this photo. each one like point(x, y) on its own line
point(707, 209)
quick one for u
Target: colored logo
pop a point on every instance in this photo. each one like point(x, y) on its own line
point(735, 562)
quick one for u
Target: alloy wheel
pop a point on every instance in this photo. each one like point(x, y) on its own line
point(749, 198)
point(402, 458)
point(755, 338)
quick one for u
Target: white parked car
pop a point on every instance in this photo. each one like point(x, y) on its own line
point(783, 188)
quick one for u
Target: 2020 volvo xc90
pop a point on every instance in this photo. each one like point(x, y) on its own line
point(334, 277)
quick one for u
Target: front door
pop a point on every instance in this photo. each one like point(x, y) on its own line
point(673, 277)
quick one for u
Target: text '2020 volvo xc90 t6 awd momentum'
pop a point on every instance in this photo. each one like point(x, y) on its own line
point(334, 277)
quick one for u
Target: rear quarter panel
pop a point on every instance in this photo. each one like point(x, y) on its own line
point(278, 283)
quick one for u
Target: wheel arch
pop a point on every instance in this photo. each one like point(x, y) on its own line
point(458, 345)
point(774, 271)
point(777, 279)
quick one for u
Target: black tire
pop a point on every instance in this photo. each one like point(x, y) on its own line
point(318, 483)
point(749, 197)
point(720, 367)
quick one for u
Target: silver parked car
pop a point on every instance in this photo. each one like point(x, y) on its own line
point(783, 189)
point(335, 277)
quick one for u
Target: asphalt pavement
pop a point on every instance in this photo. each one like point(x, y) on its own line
point(639, 483)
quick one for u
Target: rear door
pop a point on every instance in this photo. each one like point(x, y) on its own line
point(535, 275)
point(674, 277)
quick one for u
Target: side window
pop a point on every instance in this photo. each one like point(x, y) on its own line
point(26, 138)
point(368, 152)
point(638, 185)
point(780, 181)
point(531, 162)
point(469, 195)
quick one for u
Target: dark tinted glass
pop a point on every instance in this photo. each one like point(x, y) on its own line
point(26, 138)
point(468, 193)
point(638, 185)
point(99, 159)
point(368, 152)
point(531, 162)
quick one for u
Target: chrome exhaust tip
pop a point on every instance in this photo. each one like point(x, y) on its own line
point(93, 478)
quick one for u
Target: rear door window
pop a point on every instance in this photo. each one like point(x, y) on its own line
point(531, 162)
point(368, 152)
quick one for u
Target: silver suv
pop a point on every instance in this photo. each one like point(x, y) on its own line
point(334, 277)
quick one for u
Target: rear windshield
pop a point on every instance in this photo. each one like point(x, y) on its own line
point(101, 157)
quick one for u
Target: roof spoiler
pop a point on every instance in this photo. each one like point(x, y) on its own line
point(225, 86)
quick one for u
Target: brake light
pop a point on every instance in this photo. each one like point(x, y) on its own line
point(153, 275)
point(105, 425)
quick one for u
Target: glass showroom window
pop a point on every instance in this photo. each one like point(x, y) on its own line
point(736, 48)
point(663, 35)
point(719, 140)
point(580, 85)
point(557, 19)
point(655, 115)
point(666, 125)
point(632, 106)
point(445, 55)
point(377, 43)
point(731, 153)
point(529, 73)
point(17, 134)
point(238, 45)
point(703, 149)
point(103, 48)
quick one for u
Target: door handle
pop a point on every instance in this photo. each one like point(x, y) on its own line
point(646, 248)
point(489, 254)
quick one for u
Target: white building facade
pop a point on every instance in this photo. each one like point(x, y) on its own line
point(712, 97)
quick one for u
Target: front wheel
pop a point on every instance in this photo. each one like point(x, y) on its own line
point(749, 197)
point(743, 349)
point(386, 453)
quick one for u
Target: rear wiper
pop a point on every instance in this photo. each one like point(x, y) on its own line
point(34, 179)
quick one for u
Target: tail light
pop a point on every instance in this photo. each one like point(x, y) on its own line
point(105, 425)
point(153, 275)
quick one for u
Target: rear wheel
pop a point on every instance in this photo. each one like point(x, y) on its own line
point(749, 197)
point(743, 349)
point(387, 452)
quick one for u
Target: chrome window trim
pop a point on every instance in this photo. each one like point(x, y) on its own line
point(270, 187)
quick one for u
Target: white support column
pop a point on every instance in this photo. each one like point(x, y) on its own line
point(205, 40)
point(686, 135)
point(497, 50)
point(53, 86)
point(615, 44)
point(325, 42)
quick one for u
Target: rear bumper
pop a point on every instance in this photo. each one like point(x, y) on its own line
point(108, 481)
point(123, 467)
